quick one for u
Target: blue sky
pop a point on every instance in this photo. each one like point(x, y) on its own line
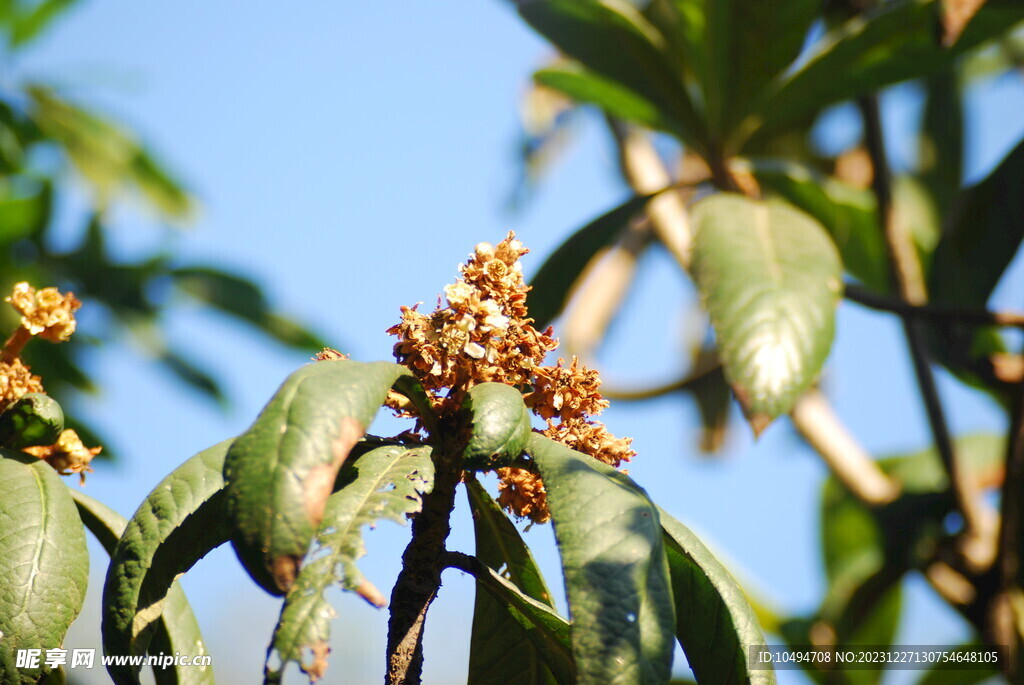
point(349, 156)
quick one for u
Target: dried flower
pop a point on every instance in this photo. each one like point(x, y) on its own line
point(45, 313)
point(68, 455)
point(522, 492)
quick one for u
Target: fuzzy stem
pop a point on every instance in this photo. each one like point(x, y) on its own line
point(420, 578)
point(15, 344)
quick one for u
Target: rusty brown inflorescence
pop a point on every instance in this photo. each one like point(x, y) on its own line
point(50, 315)
point(482, 333)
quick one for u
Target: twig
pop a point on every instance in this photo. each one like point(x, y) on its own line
point(905, 271)
point(1010, 562)
point(646, 173)
point(633, 395)
point(600, 291)
point(933, 312)
point(853, 467)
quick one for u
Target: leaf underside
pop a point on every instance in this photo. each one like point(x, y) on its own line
point(385, 483)
point(770, 278)
point(177, 629)
point(280, 472)
point(179, 522)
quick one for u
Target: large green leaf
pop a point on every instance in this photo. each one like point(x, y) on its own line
point(895, 42)
point(499, 426)
point(584, 30)
point(613, 560)
point(737, 47)
point(500, 650)
point(44, 562)
point(280, 472)
point(178, 630)
point(179, 522)
point(551, 287)
point(548, 632)
point(707, 596)
point(386, 483)
point(770, 279)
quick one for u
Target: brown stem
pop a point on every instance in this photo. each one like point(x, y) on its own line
point(420, 578)
point(933, 312)
point(853, 467)
point(15, 344)
point(645, 173)
point(905, 271)
point(635, 394)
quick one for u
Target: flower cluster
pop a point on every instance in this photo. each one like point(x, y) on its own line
point(50, 315)
point(482, 333)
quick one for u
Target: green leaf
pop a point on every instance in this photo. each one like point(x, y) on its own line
point(640, 62)
point(27, 25)
point(548, 632)
point(613, 560)
point(941, 146)
point(192, 375)
point(280, 472)
point(35, 419)
point(984, 234)
point(715, 623)
point(737, 47)
point(244, 299)
point(22, 216)
point(109, 158)
point(551, 287)
point(896, 42)
point(500, 651)
point(711, 394)
point(584, 86)
point(770, 279)
point(178, 523)
point(178, 631)
point(499, 426)
point(44, 562)
point(847, 213)
point(385, 483)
